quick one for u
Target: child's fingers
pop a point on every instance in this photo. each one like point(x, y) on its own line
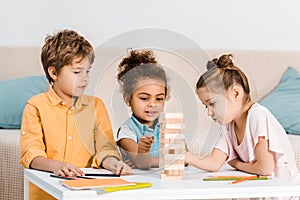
point(64, 171)
point(130, 163)
point(125, 170)
point(68, 169)
point(150, 138)
point(60, 173)
point(141, 149)
point(146, 140)
point(78, 172)
point(72, 170)
point(144, 146)
point(121, 168)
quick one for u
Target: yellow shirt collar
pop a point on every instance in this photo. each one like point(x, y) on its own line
point(55, 99)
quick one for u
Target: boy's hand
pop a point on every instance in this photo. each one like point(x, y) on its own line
point(145, 143)
point(55, 166)
point(116, 166)
point(130, 163)
point(66, 169)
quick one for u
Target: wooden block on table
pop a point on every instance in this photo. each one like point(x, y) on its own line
point(167, 177)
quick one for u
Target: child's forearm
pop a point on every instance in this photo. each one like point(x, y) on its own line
point(264, 163)
point(113, 164)
point(253, 167)
point(212, 162)
point(142, 160)
point(55, 166)
point(155, 162)
point(42, 163)
point(202, 163)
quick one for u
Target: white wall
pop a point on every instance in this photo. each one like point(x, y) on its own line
point(212, 24)
point(234, 24)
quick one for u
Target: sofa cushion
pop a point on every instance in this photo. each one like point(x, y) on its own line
point(284, 101)
point(14, 95)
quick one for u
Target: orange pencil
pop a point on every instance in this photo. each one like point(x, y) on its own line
point(245, 179)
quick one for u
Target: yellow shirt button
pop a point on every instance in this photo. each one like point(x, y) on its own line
point(69, 137)
point(23, 133)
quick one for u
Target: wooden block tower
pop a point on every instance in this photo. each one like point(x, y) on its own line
point(172, 145)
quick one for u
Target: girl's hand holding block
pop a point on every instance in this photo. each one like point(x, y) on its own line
point(145, 143)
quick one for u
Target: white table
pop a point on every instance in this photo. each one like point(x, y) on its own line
point(191, 186)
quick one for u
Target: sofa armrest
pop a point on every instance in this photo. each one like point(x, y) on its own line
point(11, 172)
point(295, 142)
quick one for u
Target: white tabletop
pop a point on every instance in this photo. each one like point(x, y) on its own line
point(191, 186)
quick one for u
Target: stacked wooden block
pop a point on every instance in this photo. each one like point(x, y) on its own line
point(172, 145)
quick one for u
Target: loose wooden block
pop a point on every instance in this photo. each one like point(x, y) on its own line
point(168, 177)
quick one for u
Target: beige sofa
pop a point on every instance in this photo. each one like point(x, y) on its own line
point(264, 69)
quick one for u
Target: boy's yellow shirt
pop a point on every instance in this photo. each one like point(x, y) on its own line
point(81, 135)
